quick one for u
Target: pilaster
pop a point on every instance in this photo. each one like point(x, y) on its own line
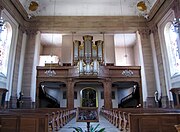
point(107, 93)
point(28, 66)
point(70, 93)
point(150, 102)
point(12, 102)
point(148, 61)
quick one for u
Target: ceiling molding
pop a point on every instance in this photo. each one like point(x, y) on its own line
point(162, 10)
point(90, 23)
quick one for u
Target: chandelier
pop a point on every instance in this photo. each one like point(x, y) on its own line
point(51, 72)
point(88, 56)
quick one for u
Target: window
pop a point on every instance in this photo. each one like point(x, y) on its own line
point(75, 94)
point(64, 95)
point(173, 48)
point(5, 42)
point(113, 94)
point(102, 95)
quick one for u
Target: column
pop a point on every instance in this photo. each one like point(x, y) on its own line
point(28, 68)
point(148, 66)
point(70, 93)
point(17, 75)
point(161, 73)
point(21, 62)
point(107, 93)
point(35, 63)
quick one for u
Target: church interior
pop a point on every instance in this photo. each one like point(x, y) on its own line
point(64, 60)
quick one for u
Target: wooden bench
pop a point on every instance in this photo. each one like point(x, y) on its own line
point(121, 117)
point(42, 119)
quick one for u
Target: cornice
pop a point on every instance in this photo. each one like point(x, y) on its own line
point(20, 9)
point(16, 11)
point(155, 9)
point(90, 23)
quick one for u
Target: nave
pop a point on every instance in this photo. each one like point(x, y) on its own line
point(102, 121)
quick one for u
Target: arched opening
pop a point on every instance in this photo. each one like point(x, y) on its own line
point(89, 97)
point(5, 43)
point(172, 48)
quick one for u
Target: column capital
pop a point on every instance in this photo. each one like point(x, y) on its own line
point(154, 29)
point(31, 32)
point(144, 32)
point(1, 7)
point(107, 80)
point(22, 29)
point(176, 8)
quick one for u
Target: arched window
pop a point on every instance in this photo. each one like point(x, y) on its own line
point(173, 48)
point(5, 42)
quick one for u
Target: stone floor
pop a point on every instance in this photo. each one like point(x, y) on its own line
point(102, 121)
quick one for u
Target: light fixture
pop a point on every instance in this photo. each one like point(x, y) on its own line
point(123, 34)
point(51, 72)
point(127, 73)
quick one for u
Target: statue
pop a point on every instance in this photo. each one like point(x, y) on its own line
point(19, 100)
point(158, 99)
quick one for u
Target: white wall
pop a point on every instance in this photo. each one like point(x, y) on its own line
point(121, 59)
point(48, 50)
point(67, 49)
point(109, 50)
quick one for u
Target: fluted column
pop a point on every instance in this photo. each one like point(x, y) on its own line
point(70, 93)
point(107, 93)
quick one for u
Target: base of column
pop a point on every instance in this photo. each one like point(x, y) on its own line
point(166, 103)
point(150, 102)
point(26, 102)
point(12, 104)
